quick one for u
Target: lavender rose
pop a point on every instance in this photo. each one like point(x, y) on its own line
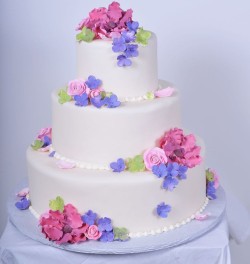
point(76, 87)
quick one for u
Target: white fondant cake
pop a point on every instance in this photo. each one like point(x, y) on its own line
point(158, 180)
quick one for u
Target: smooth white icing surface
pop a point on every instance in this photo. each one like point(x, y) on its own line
point(100, 136)
point(129, 199)
point(97, 58)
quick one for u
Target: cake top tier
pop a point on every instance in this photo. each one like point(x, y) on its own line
point(114, 47)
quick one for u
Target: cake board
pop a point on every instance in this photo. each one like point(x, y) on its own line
point(27, 224)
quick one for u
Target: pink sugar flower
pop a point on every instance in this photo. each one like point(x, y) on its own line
point(47, 131)
point(166, 92)
point(76, 87)
point(154, 156)
point(181, 148)
point(93, 232)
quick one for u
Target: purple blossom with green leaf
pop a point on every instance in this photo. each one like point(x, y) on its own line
point(23, 204)
point(160, 170)
point(123, 61)
point(104, 224)
point(112, 101)
point(89, 218)
point(118, 166)
point(46, 141)
point(93, 82)
point(107, 236)
point(81, 100)
point(119, 44)
point(163, 210)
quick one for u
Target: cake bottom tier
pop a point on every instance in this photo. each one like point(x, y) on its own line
point(129, 199)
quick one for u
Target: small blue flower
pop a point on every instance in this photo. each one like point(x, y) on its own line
point(173, 169)
point(211, 191)
point(129, 36)
point(23, 204)
point(89, 218)
point(160, 170)
point(118, 166)
point(52, 154)
point(104, 224)
point(107, 237)
point(98, 101)
point(81, 100)
point(170, 183)
point(123, 61)
point(112, 101)
point(163, 210)
point(132, 50)
point(133, 25)
point(182, 172)
point(46, 141)
point(93, 83)
point(119, 44)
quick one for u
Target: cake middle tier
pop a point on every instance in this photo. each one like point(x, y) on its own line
point(95, 137)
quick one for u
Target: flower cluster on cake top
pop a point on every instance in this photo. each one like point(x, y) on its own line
point(212, 183)
point(118, 25)
point(43, 140)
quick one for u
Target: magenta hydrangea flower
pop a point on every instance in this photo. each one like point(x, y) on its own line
point(64, 227)
point(181, 148)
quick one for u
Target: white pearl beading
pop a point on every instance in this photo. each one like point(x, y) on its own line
point(80, 164)
point(136, 98)
point(152, 232)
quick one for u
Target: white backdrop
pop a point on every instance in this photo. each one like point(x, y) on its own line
point(203, 47)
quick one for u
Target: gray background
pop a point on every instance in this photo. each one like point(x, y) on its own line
point(203, 47)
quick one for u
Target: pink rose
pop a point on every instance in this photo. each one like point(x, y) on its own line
point(154, 156)
point(93, 232)
point(76, 87)
point(45, 132)
point(93, 93)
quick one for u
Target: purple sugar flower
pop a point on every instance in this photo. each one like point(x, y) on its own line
point(93, 83)
point(170, 183)
point(23, 204)
point(182, 172)
point(112, 101)
point(173, 169)
point(211, 190)
point(46, 141)
point(89, 218)
point(104, 224)
point(52, 154)
point(160, 170)
point(123, 61)
point(119, 44)
point(98, 101)
point(129, 36)
point(81, 100)
point(132, 25)
point(163, 210)
point(107, 237)
point(132, 50)
point(118, 166)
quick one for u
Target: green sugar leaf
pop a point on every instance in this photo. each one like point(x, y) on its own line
point(150, 95)
point(63, 97)
point(57, 204)
point(121, 233)
point(37, 144)
point(86, 35)
point(136, 164)
point(142, 36)
point(209, 175)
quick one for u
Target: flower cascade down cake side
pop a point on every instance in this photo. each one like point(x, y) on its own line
point(116, 163)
